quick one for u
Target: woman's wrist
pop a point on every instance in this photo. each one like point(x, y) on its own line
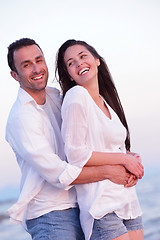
point(124, 159)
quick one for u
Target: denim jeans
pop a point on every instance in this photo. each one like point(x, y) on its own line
point(111, 226)
point(56, 225)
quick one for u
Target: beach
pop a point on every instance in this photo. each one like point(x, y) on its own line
point(8, 230)
point(148, 190)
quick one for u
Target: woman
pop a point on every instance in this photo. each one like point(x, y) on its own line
point(95, 132)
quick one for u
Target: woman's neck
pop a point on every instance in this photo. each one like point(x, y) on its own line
point(93, 90)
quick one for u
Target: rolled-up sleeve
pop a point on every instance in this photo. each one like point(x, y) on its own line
point(30, 129)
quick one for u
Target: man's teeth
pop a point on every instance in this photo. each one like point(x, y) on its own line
point(81, 72)
point(38, 77)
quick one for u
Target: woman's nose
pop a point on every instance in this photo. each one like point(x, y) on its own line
point(79, 63)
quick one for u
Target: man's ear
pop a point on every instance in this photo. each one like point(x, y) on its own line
point(14, 75)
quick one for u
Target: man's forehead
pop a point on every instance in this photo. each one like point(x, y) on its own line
point(28, 52)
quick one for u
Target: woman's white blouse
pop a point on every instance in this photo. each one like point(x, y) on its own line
point(85, 128)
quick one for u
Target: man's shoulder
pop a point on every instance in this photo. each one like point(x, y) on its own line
point(24, 105)
point(54, 95)
point(53, 92)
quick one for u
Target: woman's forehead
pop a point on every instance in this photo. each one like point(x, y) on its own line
point(75, 50)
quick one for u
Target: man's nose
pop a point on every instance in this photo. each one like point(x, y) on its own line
point(36, 68)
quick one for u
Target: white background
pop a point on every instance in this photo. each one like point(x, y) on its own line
point(125, 32)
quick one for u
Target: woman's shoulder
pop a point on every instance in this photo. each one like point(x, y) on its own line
point(76, 93)
point(77, 89)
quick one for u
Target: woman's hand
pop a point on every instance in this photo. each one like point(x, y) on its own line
point(133, 164)
point(132, 181)
point(134, 154)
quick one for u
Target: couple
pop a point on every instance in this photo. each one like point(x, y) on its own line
point(78, 172)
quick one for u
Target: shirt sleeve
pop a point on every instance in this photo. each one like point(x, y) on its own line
point(27, 137)
point(74, 131)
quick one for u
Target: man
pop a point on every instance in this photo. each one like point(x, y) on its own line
point(47, 202)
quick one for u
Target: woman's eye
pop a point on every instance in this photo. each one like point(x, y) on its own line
point(70, 63)
point(82, 56)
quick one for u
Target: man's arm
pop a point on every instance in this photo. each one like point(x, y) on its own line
point(116, 174)
point(28, 135)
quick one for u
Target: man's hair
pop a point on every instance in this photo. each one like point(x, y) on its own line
point(23, 42)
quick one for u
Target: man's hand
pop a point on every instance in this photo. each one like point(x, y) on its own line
point(118, 174)
point(115, 173)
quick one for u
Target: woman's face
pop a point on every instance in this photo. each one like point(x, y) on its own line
point(81, 65)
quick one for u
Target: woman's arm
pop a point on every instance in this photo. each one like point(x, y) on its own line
point(75, 131)
point(130, 161)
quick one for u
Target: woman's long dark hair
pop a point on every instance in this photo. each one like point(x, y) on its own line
point(107, 88)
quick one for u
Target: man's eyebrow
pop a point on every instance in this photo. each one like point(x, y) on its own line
point(40, 56)
point(27, 61)
point(77, 54)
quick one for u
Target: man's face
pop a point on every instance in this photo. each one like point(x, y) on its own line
point(32, 71)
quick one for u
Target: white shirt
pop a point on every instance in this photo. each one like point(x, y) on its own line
point(85, 128)
point(33, 132)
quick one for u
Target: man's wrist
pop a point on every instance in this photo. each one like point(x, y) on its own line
point(107, 171)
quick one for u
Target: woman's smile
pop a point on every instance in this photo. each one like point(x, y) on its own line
point(81, 63)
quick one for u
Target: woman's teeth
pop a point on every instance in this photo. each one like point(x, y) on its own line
point(84, 70)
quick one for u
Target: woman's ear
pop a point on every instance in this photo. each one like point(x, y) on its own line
point(98, 62)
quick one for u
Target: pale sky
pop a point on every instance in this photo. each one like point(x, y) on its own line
point(126, 33)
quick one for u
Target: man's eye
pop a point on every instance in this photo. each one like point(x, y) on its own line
point(39, 60)
point(25, 65)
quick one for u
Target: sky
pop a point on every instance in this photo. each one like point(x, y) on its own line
point(124, 32)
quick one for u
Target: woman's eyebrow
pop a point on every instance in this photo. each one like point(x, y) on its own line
point(77, 55)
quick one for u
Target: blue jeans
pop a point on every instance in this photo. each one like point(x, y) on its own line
point(56, 225)
point(111, 226)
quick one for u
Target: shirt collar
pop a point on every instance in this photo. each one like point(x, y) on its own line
point(52, 92)
point(25, 97)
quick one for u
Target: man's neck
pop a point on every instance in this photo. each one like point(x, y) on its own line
point(38, 96)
